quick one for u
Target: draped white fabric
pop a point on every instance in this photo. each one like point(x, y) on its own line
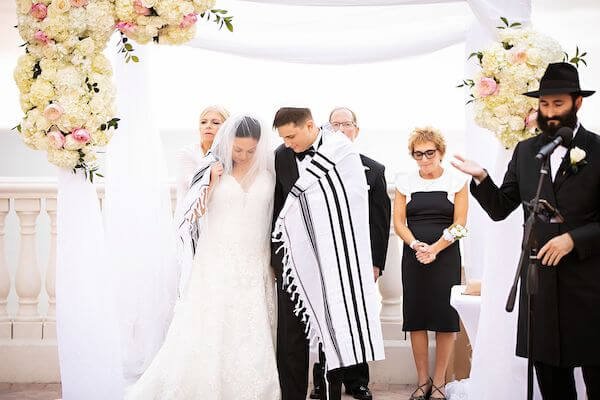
point(350, 3)
point(86, 324)
point(314, 35)
point(140, 233)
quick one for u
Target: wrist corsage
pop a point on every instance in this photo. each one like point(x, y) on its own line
point(454, 232)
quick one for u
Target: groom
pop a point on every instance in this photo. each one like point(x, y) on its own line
point(309, 152)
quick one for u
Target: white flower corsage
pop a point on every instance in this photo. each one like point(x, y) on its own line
point(454, 232)
point(577, 158)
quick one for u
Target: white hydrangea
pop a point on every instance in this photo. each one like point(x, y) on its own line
point(516, 69)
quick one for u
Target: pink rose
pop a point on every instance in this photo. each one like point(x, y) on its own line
point(188, 20)
point(79, 3)
point(140, 9)
point(41, 37)
point(518, 57)
point(531, 120)
point(487, 87)
point(39, 11)
point(125, 27)
point(56, 139)
point(81, 135)
point(53, 112)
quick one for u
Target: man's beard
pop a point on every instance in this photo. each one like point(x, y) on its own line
point(569, 119)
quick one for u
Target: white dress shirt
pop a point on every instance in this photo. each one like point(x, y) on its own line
point(559, 153)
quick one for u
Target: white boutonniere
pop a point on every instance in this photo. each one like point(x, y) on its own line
point(577, 159)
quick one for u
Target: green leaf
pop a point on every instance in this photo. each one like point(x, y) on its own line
point(103, 127)
point(128, 46)
point(583, 61)
point(505, 21)
point(135, 59)
point(17, 128)
point(516, 24)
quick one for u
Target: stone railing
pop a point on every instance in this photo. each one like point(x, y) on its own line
point(27, 285)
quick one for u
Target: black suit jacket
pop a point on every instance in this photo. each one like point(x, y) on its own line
point(286, 174)
point(380, 210)
point(567, 307)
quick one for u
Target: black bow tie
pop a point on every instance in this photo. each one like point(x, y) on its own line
point(308, 152)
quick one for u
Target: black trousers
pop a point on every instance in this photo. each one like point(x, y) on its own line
point(292, 349)
point(559, 383)
point(334, 378)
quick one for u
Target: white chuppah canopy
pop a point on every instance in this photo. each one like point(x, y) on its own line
point(333, 42)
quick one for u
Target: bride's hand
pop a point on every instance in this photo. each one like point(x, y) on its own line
point(216, 171)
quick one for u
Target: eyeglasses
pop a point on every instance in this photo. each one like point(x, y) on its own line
point(418, 155)
point(338, 125)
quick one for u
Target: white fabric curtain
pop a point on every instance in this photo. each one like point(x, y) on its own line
point(86, 323)
point(140, 233)
point(322, 35)
point(350, 3)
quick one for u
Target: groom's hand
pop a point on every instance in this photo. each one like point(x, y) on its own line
point(469, 167)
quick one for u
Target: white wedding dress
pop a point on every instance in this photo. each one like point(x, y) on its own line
point(220, 345)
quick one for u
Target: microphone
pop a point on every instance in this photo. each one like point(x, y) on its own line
point(563, 135)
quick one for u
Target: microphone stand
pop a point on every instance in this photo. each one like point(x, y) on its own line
point(528, 260)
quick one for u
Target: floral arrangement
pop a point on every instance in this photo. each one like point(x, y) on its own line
point(65, 82)
point(509, 67)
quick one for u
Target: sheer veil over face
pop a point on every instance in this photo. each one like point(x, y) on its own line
point(242, 127)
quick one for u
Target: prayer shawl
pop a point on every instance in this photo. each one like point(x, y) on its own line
point(189, 221)
point(323, 229)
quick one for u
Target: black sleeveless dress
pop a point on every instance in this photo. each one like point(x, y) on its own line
point(426, 287)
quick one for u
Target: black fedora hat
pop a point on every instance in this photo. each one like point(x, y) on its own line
point(560, 78)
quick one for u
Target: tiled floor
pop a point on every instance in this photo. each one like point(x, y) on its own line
point(19, 391)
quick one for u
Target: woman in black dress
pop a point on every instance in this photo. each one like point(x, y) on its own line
point(428, 202)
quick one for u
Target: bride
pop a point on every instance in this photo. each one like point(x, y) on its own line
point(220, 345)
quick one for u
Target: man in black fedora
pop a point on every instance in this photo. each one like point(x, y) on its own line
point(566, 308)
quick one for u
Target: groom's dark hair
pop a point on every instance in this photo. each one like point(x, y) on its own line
point(295, 115)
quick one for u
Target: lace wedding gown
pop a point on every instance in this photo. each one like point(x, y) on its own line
point(220, 345)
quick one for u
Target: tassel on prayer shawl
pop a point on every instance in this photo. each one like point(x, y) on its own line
point(189, 218)
point(323, 229)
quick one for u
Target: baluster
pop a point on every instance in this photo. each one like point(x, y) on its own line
point(5, 323)
point(27, 324)
point(50, 320)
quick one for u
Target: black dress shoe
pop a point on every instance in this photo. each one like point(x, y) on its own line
point(316, 392)
point(360, 393)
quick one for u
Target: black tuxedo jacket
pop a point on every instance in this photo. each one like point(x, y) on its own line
point(379, 203)
point(567, 307)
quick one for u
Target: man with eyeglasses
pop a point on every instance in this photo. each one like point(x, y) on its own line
point(356, 378)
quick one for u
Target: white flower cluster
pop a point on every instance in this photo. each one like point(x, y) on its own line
point(65, 81)
point(457, 231)
point(510, 67)
point(164, 21)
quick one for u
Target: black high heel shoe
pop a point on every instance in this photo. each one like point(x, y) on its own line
point(426, 393)
point(435, 389)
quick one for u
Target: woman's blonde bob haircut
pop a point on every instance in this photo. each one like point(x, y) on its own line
point(217, 109)
point(424, 135)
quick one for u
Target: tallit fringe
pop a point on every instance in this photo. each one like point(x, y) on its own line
point(296, 294)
